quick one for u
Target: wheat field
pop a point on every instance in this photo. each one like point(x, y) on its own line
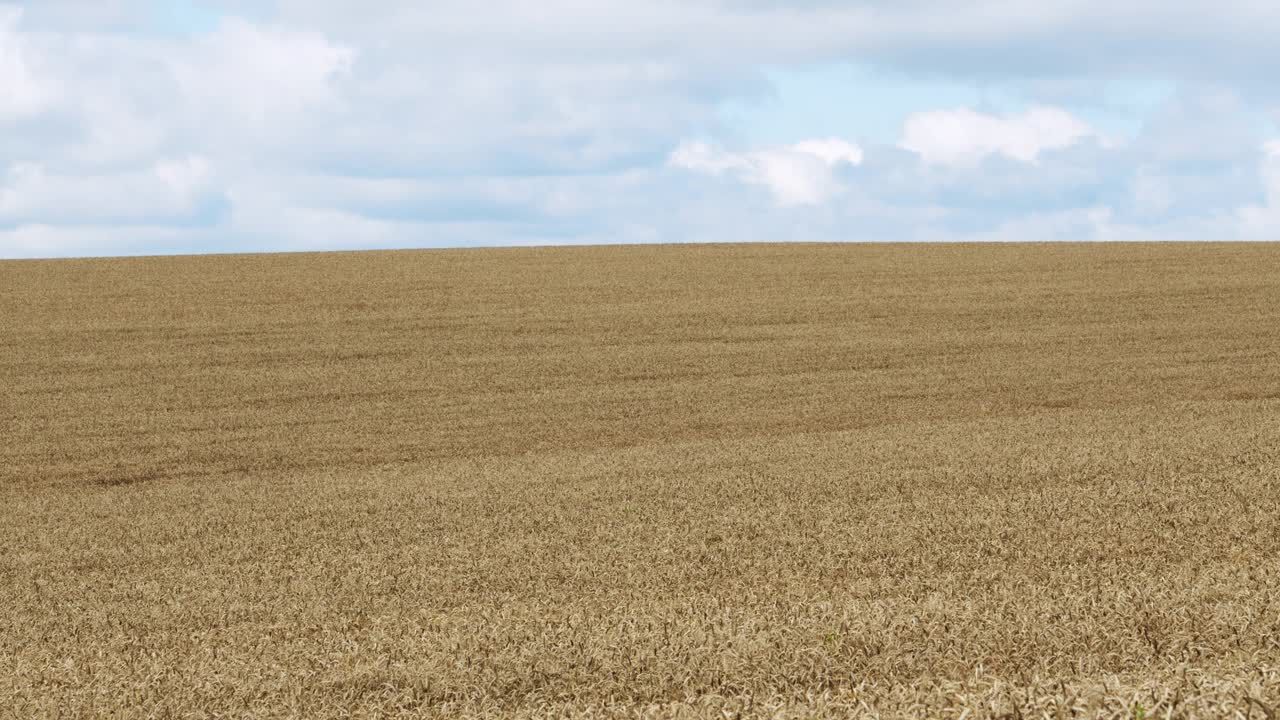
point(784, 481)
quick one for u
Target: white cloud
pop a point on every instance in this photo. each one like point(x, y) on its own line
point(260, 78)
point(317, 122)
point(980, 38)
point(42, 240)
point(170, 191)
point(1262, 222)
point(1151, 192)
point(965, 137)
point(23, 91)
point(831, 151)
point(799, 174)
point(1271, 170)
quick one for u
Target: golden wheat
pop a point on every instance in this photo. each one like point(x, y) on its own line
point(699, 481)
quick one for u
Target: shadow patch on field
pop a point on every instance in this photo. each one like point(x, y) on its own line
point(408, 692)
point(1254, 395)
point(1058, 403)
point(127, 476)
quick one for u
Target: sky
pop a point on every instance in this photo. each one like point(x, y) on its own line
point(189, 126)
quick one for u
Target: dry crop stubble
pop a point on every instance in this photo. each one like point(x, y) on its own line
point(763, 480)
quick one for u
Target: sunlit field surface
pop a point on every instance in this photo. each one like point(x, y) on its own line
point(671, 481)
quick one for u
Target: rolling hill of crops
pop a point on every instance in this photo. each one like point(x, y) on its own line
point(1022, 480)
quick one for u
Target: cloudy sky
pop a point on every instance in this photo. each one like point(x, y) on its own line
point(159, 126)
